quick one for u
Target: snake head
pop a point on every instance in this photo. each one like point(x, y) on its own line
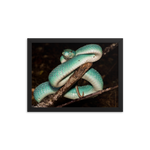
point(68, 53)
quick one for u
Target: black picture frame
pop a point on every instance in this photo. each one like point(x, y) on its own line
point(30, 41)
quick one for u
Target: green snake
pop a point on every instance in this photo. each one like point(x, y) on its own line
point(70, 61)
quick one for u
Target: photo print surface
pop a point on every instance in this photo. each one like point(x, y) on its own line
point(74, 75)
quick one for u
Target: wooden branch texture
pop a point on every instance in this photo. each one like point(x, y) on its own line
point(72, 80)
point(110, 48)
point(88, 96)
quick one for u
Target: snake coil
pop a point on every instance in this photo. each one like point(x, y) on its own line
point(71, 60)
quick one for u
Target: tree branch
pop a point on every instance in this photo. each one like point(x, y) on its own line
point(88, 96)
point(72, 80)
point(110, 48)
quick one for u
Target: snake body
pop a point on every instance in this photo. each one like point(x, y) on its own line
point(71, 60)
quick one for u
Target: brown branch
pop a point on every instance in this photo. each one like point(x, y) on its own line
point(111, 47)
point(72, 80)
point(88, 96)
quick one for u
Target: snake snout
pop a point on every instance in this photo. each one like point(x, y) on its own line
point(63, 54)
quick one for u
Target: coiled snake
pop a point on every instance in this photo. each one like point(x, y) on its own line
point(71, 60)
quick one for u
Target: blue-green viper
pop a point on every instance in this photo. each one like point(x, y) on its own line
point(71, 60)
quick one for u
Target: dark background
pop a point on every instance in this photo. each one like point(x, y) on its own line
point(46, 56)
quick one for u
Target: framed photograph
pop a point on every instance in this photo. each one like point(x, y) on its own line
point(75, 75)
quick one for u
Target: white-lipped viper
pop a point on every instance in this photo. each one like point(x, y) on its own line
point(71, 60)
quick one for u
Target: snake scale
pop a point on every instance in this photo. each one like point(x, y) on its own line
point(71, 60)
